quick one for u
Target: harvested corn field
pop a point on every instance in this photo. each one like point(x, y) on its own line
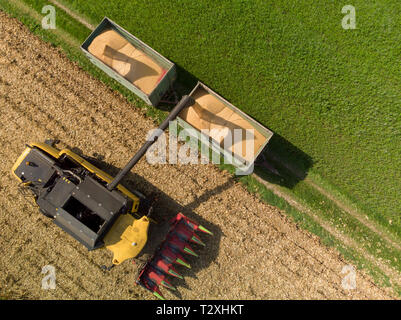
point(256, 253)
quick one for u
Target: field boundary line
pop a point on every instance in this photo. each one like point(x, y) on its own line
point(395, 275)
point(355, 214)
point(36, 16)
point(375, 227)
point(73, 15)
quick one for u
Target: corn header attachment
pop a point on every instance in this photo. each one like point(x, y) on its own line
point(154, 273)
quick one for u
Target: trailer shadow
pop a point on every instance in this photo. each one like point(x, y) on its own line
point(165, 209)
point(282, 163)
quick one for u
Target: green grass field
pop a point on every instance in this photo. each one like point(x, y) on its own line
point(329, 92)
point(333, 93)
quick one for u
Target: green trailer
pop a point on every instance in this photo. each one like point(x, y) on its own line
point(211, 111)
point(130, 61)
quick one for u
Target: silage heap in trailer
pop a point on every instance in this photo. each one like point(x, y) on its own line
point(221, 119)
point(130, 61)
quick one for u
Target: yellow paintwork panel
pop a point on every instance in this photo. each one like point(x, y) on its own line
point(18, 162)
point(87, 165)
point(127, 237)
point(47, 148)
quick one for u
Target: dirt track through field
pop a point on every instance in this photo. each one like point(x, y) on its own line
point(256, 253)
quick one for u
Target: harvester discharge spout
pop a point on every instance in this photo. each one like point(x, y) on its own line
point(173, 114)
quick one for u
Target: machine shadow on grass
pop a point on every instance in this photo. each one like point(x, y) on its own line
point(282, 163)
point(279, 163)
point(165, 209)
